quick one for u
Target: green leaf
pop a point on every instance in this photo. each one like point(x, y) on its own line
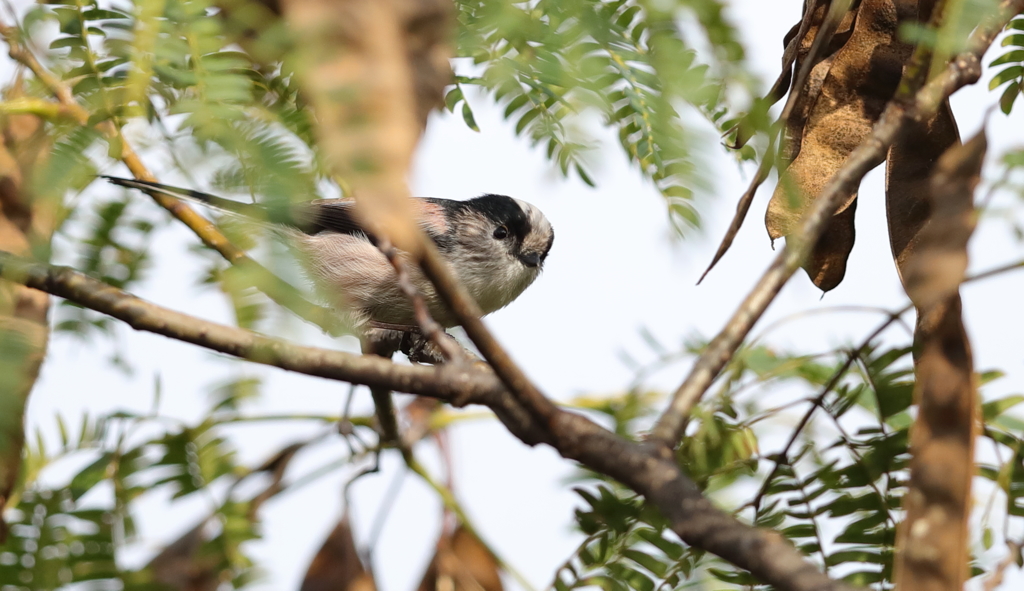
point(647, 561)
point(584, 176)
point(95, 14)
point(90, 476)
point(847, 505)
point(1008, 97)
point(1017, 55)
point(992, 409)
point(632, 577)
point(853, 556)
point(525, 120)
point(467, 116)
point(63, 429)
point(670, 548)
point(801, 530)
point(1015, 39)
point(63, 42)
point(1004, 76)
point(863, 578)
point(516, 104)
point(452, 98)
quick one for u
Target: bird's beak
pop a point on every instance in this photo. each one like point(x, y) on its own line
point(530, 259)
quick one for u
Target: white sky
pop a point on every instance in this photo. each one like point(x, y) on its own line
point(613, 269)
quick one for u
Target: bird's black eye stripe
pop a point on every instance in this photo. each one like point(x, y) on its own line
point(501, 233)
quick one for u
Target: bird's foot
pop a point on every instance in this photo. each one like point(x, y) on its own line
point(420, 349)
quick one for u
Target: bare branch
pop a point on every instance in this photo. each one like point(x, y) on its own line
point(963, 70)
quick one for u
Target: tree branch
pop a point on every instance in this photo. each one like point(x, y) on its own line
point(643, 467)
point(458, 386)
point(963, 70)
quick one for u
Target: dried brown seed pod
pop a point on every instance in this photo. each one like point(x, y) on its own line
point(862, 78)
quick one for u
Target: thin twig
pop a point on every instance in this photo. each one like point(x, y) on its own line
point(39, 107)
point(995, 578)
point(964, 70)
point(356, 421)
point(429, 328)
point(465, 308)
point(452, 504)
point(383, 510)
point(782, 457)
point(827, 310)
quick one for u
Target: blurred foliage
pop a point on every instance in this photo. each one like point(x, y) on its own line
point(77, 530)
point(114, 250)
point(171, 63)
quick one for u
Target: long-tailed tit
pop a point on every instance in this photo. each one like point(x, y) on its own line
point(495, 244)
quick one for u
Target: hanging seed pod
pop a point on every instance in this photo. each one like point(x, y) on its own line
point(934, 267)
point(862, 78)
point(462, 563)
point(337, 566)
point(930, 248)
point(804, 93)
point(909, 167)
point(800, 43)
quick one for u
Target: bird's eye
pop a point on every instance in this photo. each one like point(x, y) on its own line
point(501, 233)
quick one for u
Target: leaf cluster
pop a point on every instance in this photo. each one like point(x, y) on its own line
point(628, 546)
point(835, 493)
point(549, 62)
point(173, 63)
point(1012, 60)
point(77, 529)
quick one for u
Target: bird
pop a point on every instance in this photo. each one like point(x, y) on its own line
point(496, 245)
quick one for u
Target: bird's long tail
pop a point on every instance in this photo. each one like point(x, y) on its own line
point(236, 207)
